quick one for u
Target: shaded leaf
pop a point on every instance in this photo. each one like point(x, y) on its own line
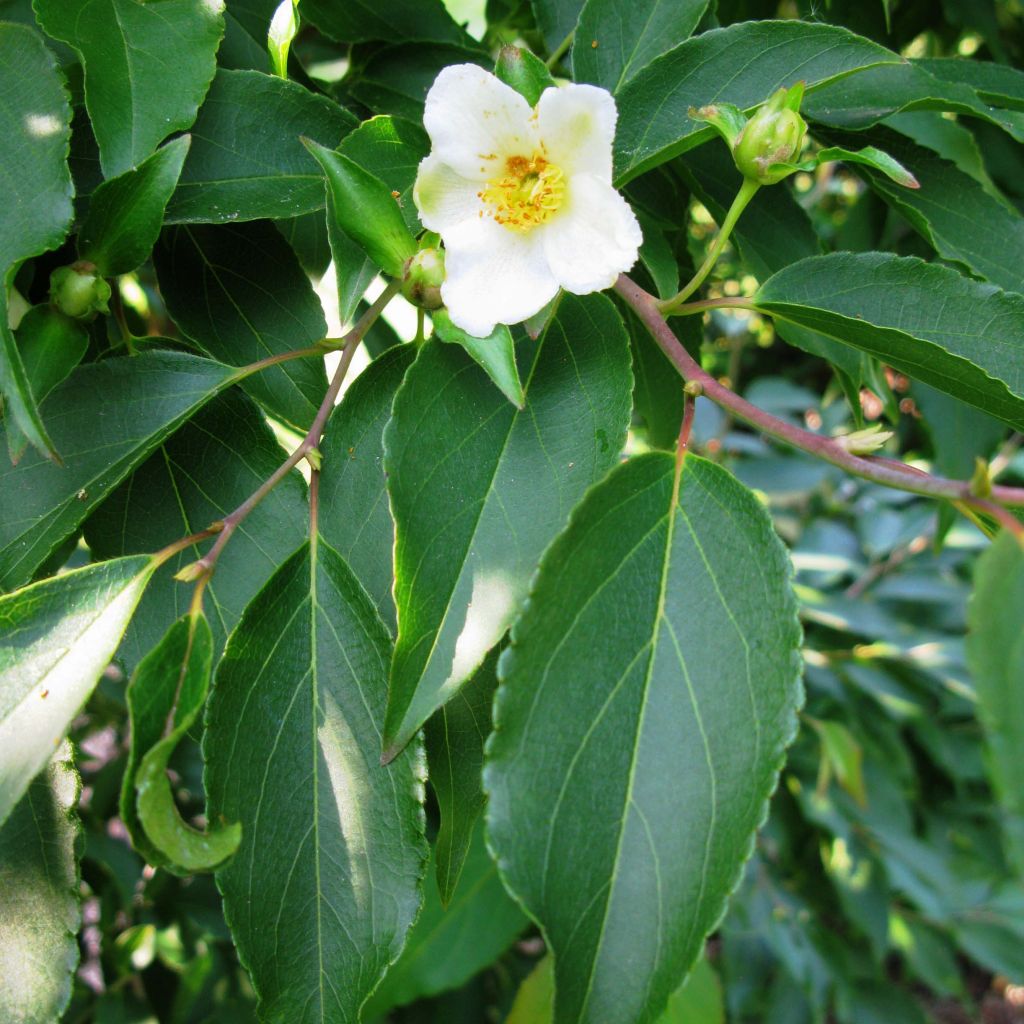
point(358, 21)
point(495, 354)
point(147, 68)
point(646, 701)
point(325, 883)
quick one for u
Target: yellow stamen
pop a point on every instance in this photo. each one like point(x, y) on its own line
point(529, 192)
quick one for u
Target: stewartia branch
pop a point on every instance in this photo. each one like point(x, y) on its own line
point(889, 472)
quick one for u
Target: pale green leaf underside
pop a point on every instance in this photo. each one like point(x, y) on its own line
point(325, 883)
point(646, 702)
point(39, 915)
point(478, 489)
point(56, 638)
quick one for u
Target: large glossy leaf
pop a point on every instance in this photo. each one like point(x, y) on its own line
point(35, 120)
point(455, 736)
point(325, 883)
point(39, 913)
point(995, 651)
point(58, 636)
point(647, 698)
point(448, 945)
point(358, 21)
point(947, 210)
point(209, 467)
point(164, 697)
point(125, 213)
point(354, 515)
point(479, 488)
point(614, 42)
point(246, 160)
point(105, 418)
point(961, 336)
point(654, 123)
point(239, 293)
point(147, 67)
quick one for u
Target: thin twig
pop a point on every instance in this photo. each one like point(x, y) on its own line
point(889, 472)
point(560, 51)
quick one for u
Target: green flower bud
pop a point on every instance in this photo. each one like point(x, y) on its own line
point(423, 277)
point(774, 135)
point(77, 291)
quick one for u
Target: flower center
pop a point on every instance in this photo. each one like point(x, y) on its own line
point(529, 192)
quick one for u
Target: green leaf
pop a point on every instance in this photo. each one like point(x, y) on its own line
point(843, 755)
point(556, 19)
point(654, 120)
point(997, 84)
point(468, 535)
point(147, 68)
point(106, 418)
point(955, 214)
point(58, 637)
point(995, 653)
point(246, 161)
point(206, 470)
point(646, 701)
point(391, 149)
point(364, 208)
point(39, 903)
point(872, 157)
point(35, 124)
point(524, 72)
point(360, 21)
point(959, 433)
point(887, 307)
point(611, 48)
point(354, 516)
point(170, 684)
point(51, 345)
point(239, 293)
point(535, 1000)
point(495, 354)
point(325, 883)
point(455, 735)
point(125, 213)
point(448, 945)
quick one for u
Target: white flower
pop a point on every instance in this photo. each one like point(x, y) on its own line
point(522, 198)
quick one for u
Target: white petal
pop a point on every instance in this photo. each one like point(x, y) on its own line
point(494, 276)
point(476, 122)
point(577, 126)
point(593, 239)
point(443, 197)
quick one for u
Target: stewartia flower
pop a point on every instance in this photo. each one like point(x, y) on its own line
point(522, 198)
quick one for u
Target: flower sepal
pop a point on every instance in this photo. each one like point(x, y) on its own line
point(422, 278)
point(524, 72)
point(771, 140)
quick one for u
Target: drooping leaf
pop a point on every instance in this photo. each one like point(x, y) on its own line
point(125, 213)
point(468, 533)
point(325, 883)
point(57, 638)
point(455, 735)
point(995, 652)
point(495, 354)
point(239, 293)
point(354, 515)
point(51, 345)
point(612, 43)
point(39, 912)
point(147, 67)
point(886, 307)
point(448, 945)
point(646, 702)
point(165, 696)
point(654, 122)
point(246, 161)
point(207, 469)
point(359, 21)
point(35, 120)
point(129, 406)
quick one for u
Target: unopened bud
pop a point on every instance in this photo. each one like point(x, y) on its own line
point(774, 135)
point(77, 291)
point(191, 572)
point(866, 441)
point(693, 388)
point(981, 479)
point(423, 277)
